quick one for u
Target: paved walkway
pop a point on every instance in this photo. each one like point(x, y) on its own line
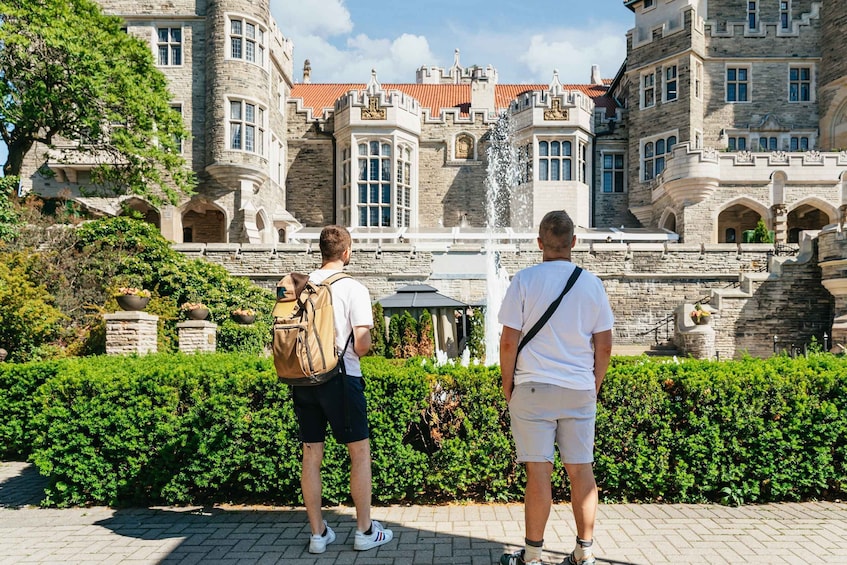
point(627, 534)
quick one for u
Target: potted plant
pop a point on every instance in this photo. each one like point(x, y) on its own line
point(244, 316)
point(195, 310)
point(131, 298)
point(699, 315)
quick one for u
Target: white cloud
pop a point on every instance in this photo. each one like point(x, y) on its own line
point(324, 32)
point(573, 52)
point(321, 18)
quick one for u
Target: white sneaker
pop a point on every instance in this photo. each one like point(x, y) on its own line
point(318, 543)
point(379, 536)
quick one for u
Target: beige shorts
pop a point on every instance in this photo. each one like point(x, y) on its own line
point(543, 415)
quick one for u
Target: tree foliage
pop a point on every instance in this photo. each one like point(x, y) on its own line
point(761, 234)
point(28, 320)
point(426, 335)
point(9, 216)
point(408, 335)
point(395, 350)
point(69, 72)
point(378, 338)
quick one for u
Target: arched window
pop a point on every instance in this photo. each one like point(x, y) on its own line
point(729, 235)
point(654, 154)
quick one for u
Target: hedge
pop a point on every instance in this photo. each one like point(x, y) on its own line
point(177, 429)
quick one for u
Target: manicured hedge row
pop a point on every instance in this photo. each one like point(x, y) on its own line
point(186, 429)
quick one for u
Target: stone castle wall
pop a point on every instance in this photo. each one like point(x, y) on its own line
point(645, 283)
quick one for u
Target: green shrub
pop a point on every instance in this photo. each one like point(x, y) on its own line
point(28, 320)
point(220, 427)
point(94, 259)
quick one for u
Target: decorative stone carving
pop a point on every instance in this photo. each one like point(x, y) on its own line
point(813, 157)
point(779, 157)
point(556, 112)
point(710, 154)
point(464, 147)
point(744, 157)
point(373, 111)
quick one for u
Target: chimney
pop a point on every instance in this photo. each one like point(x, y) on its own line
point(307, 72)
point(595, 75)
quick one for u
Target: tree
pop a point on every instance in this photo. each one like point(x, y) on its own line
point(426, 337)
point(378, 331)
point(408, 336)
point(761, 234)
point(394, 346)
point(69, 72)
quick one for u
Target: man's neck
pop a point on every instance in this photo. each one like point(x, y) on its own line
point(337, 265)
point(546, 258)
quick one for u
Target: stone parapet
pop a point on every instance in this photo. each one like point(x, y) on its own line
point(131, 332)
point(197, 336)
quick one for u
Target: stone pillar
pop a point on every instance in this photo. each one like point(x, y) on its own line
point(197, 336)
point(780, 223)
point(131, 332)
point(691, 339)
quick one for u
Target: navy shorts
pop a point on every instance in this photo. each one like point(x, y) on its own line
point(340, 403)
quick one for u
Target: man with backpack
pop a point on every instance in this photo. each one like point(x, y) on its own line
point(554, 352)
point(340, 402)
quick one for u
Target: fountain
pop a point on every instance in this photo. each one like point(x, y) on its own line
point(503, 175)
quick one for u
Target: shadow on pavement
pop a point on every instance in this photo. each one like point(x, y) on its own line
point(25, 488)
point(201, 534)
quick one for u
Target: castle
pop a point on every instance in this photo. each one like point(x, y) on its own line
point(724, 112)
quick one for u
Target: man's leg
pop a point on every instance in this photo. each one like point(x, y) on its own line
point(583, 498)
point(538, 499)
point(360, 481)
point(310, 482)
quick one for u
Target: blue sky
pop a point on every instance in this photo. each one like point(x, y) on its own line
point(525, 41)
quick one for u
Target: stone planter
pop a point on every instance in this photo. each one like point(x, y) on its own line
point(132, 302)
point(244, 319)
point(702, 320)
point(197, 313)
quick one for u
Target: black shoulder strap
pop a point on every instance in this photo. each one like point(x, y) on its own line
point(550, 309)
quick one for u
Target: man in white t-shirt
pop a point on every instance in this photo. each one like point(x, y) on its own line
point(552, 386)
point(340, 402)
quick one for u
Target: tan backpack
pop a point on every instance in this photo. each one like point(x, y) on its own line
point(304, 331)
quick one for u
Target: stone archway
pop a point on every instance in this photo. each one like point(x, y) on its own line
point(203, 222)
point(808, 214)
point(738, 217)
point(668, 220)
point(148, 213)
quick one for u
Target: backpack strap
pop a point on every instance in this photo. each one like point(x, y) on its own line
point(335, 277)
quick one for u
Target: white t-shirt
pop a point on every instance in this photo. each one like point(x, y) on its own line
point(562, 352)
point(351, 306)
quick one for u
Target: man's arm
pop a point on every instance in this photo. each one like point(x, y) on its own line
point(509, 340)
point(361, 340)
point(602, 355)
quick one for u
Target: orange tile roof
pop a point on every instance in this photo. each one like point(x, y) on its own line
point(435, 97)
